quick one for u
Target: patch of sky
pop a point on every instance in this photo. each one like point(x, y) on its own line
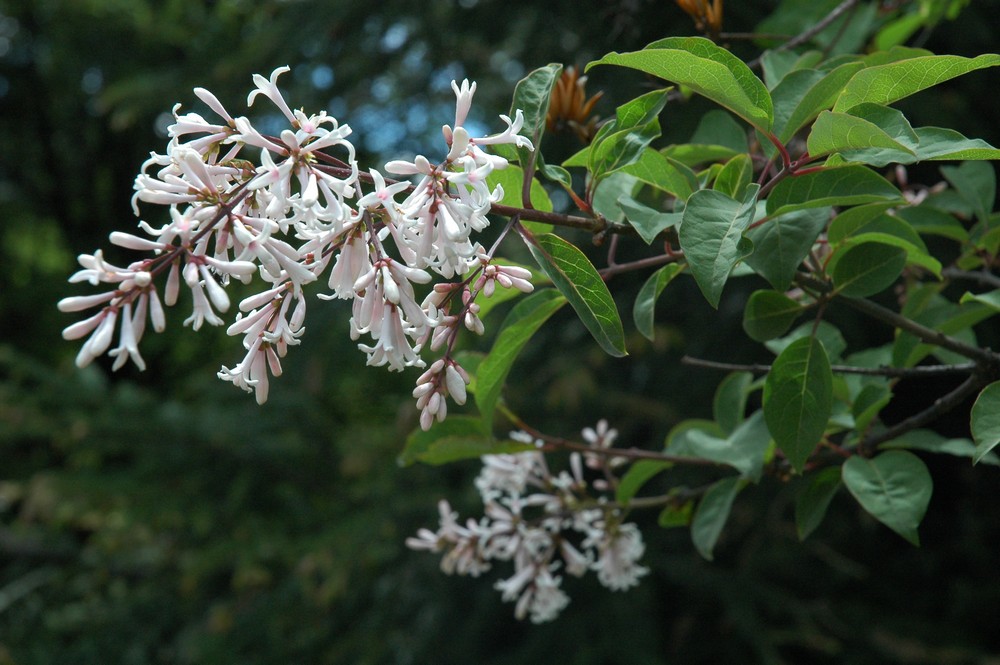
point(322, 77)
point(441, 79)
point(394, 38)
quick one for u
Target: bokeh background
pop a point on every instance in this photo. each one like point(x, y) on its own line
point(163, 517)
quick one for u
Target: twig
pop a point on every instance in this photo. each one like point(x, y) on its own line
point(890, 372)
point(982, 277)
point(819, 27)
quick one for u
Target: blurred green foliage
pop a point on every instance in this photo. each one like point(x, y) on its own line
point(165, 518)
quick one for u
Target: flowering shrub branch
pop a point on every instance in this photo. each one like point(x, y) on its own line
point(798, 195)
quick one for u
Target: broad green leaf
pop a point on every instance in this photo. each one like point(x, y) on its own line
point(647, 222)
point(457, 437)
point(851, 184)
point(798, 399)
point(555, 174)
point(814, 498)
point(645, 302)
point(991, 299)
point(986, 420)
point(638, 475)
point(718, 128)
point(804, 93)
point(776, 65)
point(869, 402)
point(512, 180)
point(712, 512)
point(769, 314)
point(705, 68)
point(941, 315)
point(532, 95)
point(730, 401)
point(744, 449)
point(832, 339)
point(676, 514)
point(840, 132)
point(866, 269)
point(894, 487)
point(620, 149)
point(915, 255)
point(521, 323)
point(885, 84)
point(607, 193)
point(781, 243)
point(712, 237)
point(871, 218)
point(575, 277)
point(976, 183)
point(735, 176)
point(659, 171)
point(932, 442)
point(695, 154)
point(939, 144)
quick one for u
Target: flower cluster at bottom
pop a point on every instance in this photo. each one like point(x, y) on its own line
point(543, 523)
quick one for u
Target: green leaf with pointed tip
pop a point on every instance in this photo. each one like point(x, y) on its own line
point(986, 420)
point(744, 449)
point(645, 302)
point(800, 97)
point(730, 401)
point(769, 314)
point(781, 243)
point(719, 128)
point(693, 154)
point(512, 180)
point(712, 512)
point(814, 498)
point(939, 144)
point(707, 69)
point(915, 255)
point(712, 237)
point(976, 183)
point(990, 299)
point(457, 437)
point(638, 475)
point(578, 280)
point(832, 339)
point(607, 193)
point(674, 515)
point(851, 184)
point(894, 487)
point(885, 84)
point(866, 269)
point(932, 442)
point(556, 174)
point(656, 169)
point(647, 222)
point(521, 323)
point(798, 399)
point(531, 96)
point(620, 149)
point(869, 218)
point(735, 176)
point(841, 132)
point(776, 65)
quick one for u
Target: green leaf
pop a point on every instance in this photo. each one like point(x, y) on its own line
point(833, 341)
point(659, 171)
point(647, 222)
point(638, 475)
point(521, 323)
point(976, 183)
point(991, 299)
point(914, 254)
point(894, 487)
point(674, 515)
point(840, 132)
point(941, 315)
point(555, 174)
point(769, 314)
point(512, 180)
point(607, 193)
point(620, 149)
point(693, 154)
point(868, 218)
point(457, 437)
point(932, 442)
point(776, 66)
point(744, 449)
point(735, 176)
point(578, 280)
point(885, 84)
point(645, 302)
point(720, 129)
point(730, 401)
point(866, 269)
point(798, 399)
point(800, 97)
point(712, 237)
point(870, 401)
point(927, 220)
point(852, 184)
point(712, 513)
point(814, 498)
point(705, 68)
point(986, 420)
point(781, 243)
point(532, 95)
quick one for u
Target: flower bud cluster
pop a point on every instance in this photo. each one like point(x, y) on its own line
point(290, 210)
point(543, 523)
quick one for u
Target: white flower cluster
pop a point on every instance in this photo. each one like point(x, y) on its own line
point(543, 523)
point(301, 211)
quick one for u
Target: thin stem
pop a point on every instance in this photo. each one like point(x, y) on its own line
point(890, 372)
point(640, 264)
point(980, 276)
point(819, 27)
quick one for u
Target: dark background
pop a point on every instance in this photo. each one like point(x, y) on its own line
point(162, 517)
